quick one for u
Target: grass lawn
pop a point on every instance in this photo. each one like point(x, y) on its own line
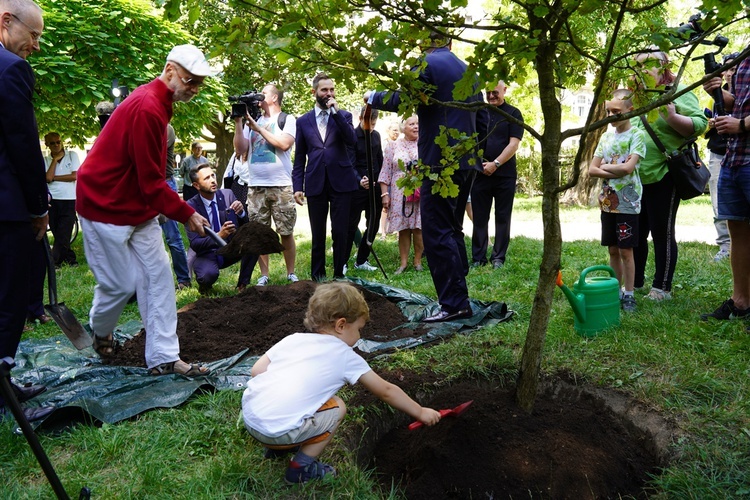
point(695, 373)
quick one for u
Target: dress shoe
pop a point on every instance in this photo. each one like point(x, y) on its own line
point(31, 414)
point(25, 393)
point(497, 264)
point(446, 316)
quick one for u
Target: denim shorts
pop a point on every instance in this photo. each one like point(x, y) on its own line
point(734, 193)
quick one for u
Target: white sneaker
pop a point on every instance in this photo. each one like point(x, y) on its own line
point(262, 281)
point(722, 254)
point(365, 266)
point(292, 277)
point(659, 295)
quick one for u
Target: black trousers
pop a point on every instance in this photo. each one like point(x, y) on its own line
point(16, 258)
point(62, 219)
point(485, 190)
point(340, 208)
point(659, 205)
point(360, 203)
point(443, 236)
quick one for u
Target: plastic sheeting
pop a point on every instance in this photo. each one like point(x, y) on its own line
point(79, 386)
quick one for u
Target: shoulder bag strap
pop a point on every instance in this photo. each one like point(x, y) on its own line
point(653, 135)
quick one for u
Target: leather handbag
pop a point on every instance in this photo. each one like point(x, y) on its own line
point(688, 171)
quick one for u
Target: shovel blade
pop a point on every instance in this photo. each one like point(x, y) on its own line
point(70, 326)
point(458, 410)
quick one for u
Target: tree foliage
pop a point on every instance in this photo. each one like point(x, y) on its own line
point(86, 45)
point(556, 43)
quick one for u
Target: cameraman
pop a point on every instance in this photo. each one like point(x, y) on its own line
point(267, 143)
point(734, 188)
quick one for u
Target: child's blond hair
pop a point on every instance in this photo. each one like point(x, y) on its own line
point(624, 95)
point(332, 301)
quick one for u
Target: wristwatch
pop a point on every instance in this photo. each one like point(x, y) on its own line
point(497, 164)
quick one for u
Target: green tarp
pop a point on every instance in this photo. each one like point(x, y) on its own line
point(81, 387)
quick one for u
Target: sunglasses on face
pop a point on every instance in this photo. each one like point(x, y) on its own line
point(493, 93)
point(54, 143)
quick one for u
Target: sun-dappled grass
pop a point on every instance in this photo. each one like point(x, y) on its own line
point(697, 374)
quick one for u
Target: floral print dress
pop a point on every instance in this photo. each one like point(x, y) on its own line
point(401, 214)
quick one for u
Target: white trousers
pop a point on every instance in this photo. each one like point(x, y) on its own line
point(127, 260)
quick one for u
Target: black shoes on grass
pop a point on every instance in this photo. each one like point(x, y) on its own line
point(727, 310)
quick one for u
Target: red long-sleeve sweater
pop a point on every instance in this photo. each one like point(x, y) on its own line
point(122, 181)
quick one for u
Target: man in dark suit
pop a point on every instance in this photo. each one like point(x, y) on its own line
point(442, 217)
point(499, 140)
point(23, 188)
point(323, 172)
point(226, 214)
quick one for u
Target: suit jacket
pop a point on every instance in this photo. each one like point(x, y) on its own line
point(203, 245)
point(317, 159)
point(23, 187)
point(443, 71)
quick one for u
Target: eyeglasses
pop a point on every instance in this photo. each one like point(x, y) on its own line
point(190, 82)
point(35, 35)
point(53, 143)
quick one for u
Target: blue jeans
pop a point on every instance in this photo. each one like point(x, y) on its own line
point(174, 240)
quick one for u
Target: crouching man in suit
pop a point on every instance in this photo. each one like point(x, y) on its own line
point(226, 214)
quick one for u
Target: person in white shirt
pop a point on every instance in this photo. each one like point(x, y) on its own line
point(61, 168)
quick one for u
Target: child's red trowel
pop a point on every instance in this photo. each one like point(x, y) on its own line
point(444, 413)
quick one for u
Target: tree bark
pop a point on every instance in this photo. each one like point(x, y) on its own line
point(531, 360)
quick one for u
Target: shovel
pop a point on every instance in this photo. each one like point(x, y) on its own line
point(458, 410)
point(64, 318)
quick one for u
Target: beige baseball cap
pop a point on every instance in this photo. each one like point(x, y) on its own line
point(192, 59)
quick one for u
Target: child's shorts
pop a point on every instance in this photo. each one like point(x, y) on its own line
point(619, 230)
point(313, 429)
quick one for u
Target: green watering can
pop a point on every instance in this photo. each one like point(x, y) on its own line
point(595, 300)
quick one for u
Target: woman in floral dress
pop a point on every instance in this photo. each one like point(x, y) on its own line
point(403, 216)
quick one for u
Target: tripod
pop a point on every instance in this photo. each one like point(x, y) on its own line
point(6, 364)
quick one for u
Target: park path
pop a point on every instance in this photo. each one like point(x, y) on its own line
point(571, 231)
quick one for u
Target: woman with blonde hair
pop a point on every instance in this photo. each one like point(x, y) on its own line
point(403, 215)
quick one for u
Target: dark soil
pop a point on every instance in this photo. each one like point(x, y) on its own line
point(252, 238)
point(566, 449)
point(573, 445)
point(214, 329)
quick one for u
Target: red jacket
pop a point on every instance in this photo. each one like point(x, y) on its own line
point(122, 181)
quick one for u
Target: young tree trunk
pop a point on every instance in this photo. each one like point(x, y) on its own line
point(531, 360)
point(223, 139)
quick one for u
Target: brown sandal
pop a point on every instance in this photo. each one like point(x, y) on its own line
point(104, 346)
point(169, 368)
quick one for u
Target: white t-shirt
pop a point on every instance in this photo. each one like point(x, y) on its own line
point(270, 166)
point(69, 164)
point(306, 370)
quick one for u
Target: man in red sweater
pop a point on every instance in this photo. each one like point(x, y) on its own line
point(121, 190)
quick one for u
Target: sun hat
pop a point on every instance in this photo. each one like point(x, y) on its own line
point(191, 58)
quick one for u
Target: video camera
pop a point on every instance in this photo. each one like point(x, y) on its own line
point(247, 103)
point(695, 31)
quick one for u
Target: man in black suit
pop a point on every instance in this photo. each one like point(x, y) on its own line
point(442, 217)
point(226, 214)
point(500, 139)
point(323, 172)
point(23, 187)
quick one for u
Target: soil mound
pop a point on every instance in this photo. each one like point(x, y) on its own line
point(252, 238)
point(216, 328)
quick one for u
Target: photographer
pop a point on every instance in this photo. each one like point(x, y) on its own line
point(734, 186)
point(268, 143)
